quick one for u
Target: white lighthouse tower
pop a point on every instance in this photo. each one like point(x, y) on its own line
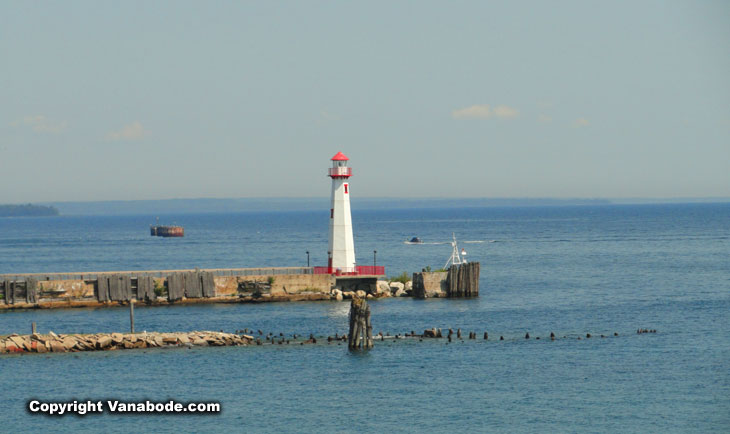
point(341, 246)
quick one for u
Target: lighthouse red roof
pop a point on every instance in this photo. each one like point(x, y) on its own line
point(340, 157)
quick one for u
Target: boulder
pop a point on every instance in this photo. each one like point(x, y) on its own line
point(400, 293)
point(431, 333)
point(395, 286)
point(17, 340)
point(69, 342)
point(117, 338)
point(348, 295)
point(382, 286)
point(57, 347)
point(408, 286)
point(337, 294)
point(362, 294)
point(103, 342)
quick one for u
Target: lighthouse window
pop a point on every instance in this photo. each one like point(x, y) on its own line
point(345, 188)
point(332, 213)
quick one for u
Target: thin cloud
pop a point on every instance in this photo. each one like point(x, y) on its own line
point(504, 112)
point(484, 111)
point(474, 112)
point(581, 122)
point(41, 124)
point(133, 131)
point(544, 119)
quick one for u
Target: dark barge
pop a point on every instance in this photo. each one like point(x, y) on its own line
point(167, 231)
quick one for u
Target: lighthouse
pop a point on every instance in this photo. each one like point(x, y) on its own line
point(341, 244)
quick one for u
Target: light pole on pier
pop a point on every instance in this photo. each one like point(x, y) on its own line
point(307, 258)
point(375, 252)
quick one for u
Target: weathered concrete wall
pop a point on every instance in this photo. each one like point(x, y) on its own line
point(66, 288)
point(76, 292)
point(430, 284)
point(353, 284)
point(281, 284)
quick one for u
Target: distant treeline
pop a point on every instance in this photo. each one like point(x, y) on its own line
point(27, 210)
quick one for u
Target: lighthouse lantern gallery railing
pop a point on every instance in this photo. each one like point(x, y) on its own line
point(360, 270)
point(340, 171)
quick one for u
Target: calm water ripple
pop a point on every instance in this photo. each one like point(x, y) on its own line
point(568, 270)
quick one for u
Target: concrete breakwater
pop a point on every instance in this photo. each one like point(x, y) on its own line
point(99, 289)
point(64, 343)
point(234, 285)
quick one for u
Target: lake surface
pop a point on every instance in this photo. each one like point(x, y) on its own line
point(567, 270)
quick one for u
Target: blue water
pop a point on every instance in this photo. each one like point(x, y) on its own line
point(571, 270)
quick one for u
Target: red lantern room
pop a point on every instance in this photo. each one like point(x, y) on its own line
point(339, 167)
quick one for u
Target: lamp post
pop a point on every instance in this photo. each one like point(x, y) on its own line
point(307, 258)
point(375, 252)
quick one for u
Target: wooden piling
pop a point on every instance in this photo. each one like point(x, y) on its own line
point(463, 280)
point(360, 326)
point(131, 315)
point(32, 327)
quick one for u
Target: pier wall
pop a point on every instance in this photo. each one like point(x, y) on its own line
point(430, 284)
point(163, 286)
point(459, 281)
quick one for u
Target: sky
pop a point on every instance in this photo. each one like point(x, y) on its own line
point(109, 100)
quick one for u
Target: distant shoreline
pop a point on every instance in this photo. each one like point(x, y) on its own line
point(235, 205)
point(28, 210)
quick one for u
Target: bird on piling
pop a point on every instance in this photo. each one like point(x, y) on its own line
point(458, 333)
point(527, 335)
point(552, 336)
point(486, 336)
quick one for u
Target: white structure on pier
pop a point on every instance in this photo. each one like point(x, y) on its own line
point(341, 245)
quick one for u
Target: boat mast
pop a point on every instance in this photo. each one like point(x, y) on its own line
point(455, 258)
